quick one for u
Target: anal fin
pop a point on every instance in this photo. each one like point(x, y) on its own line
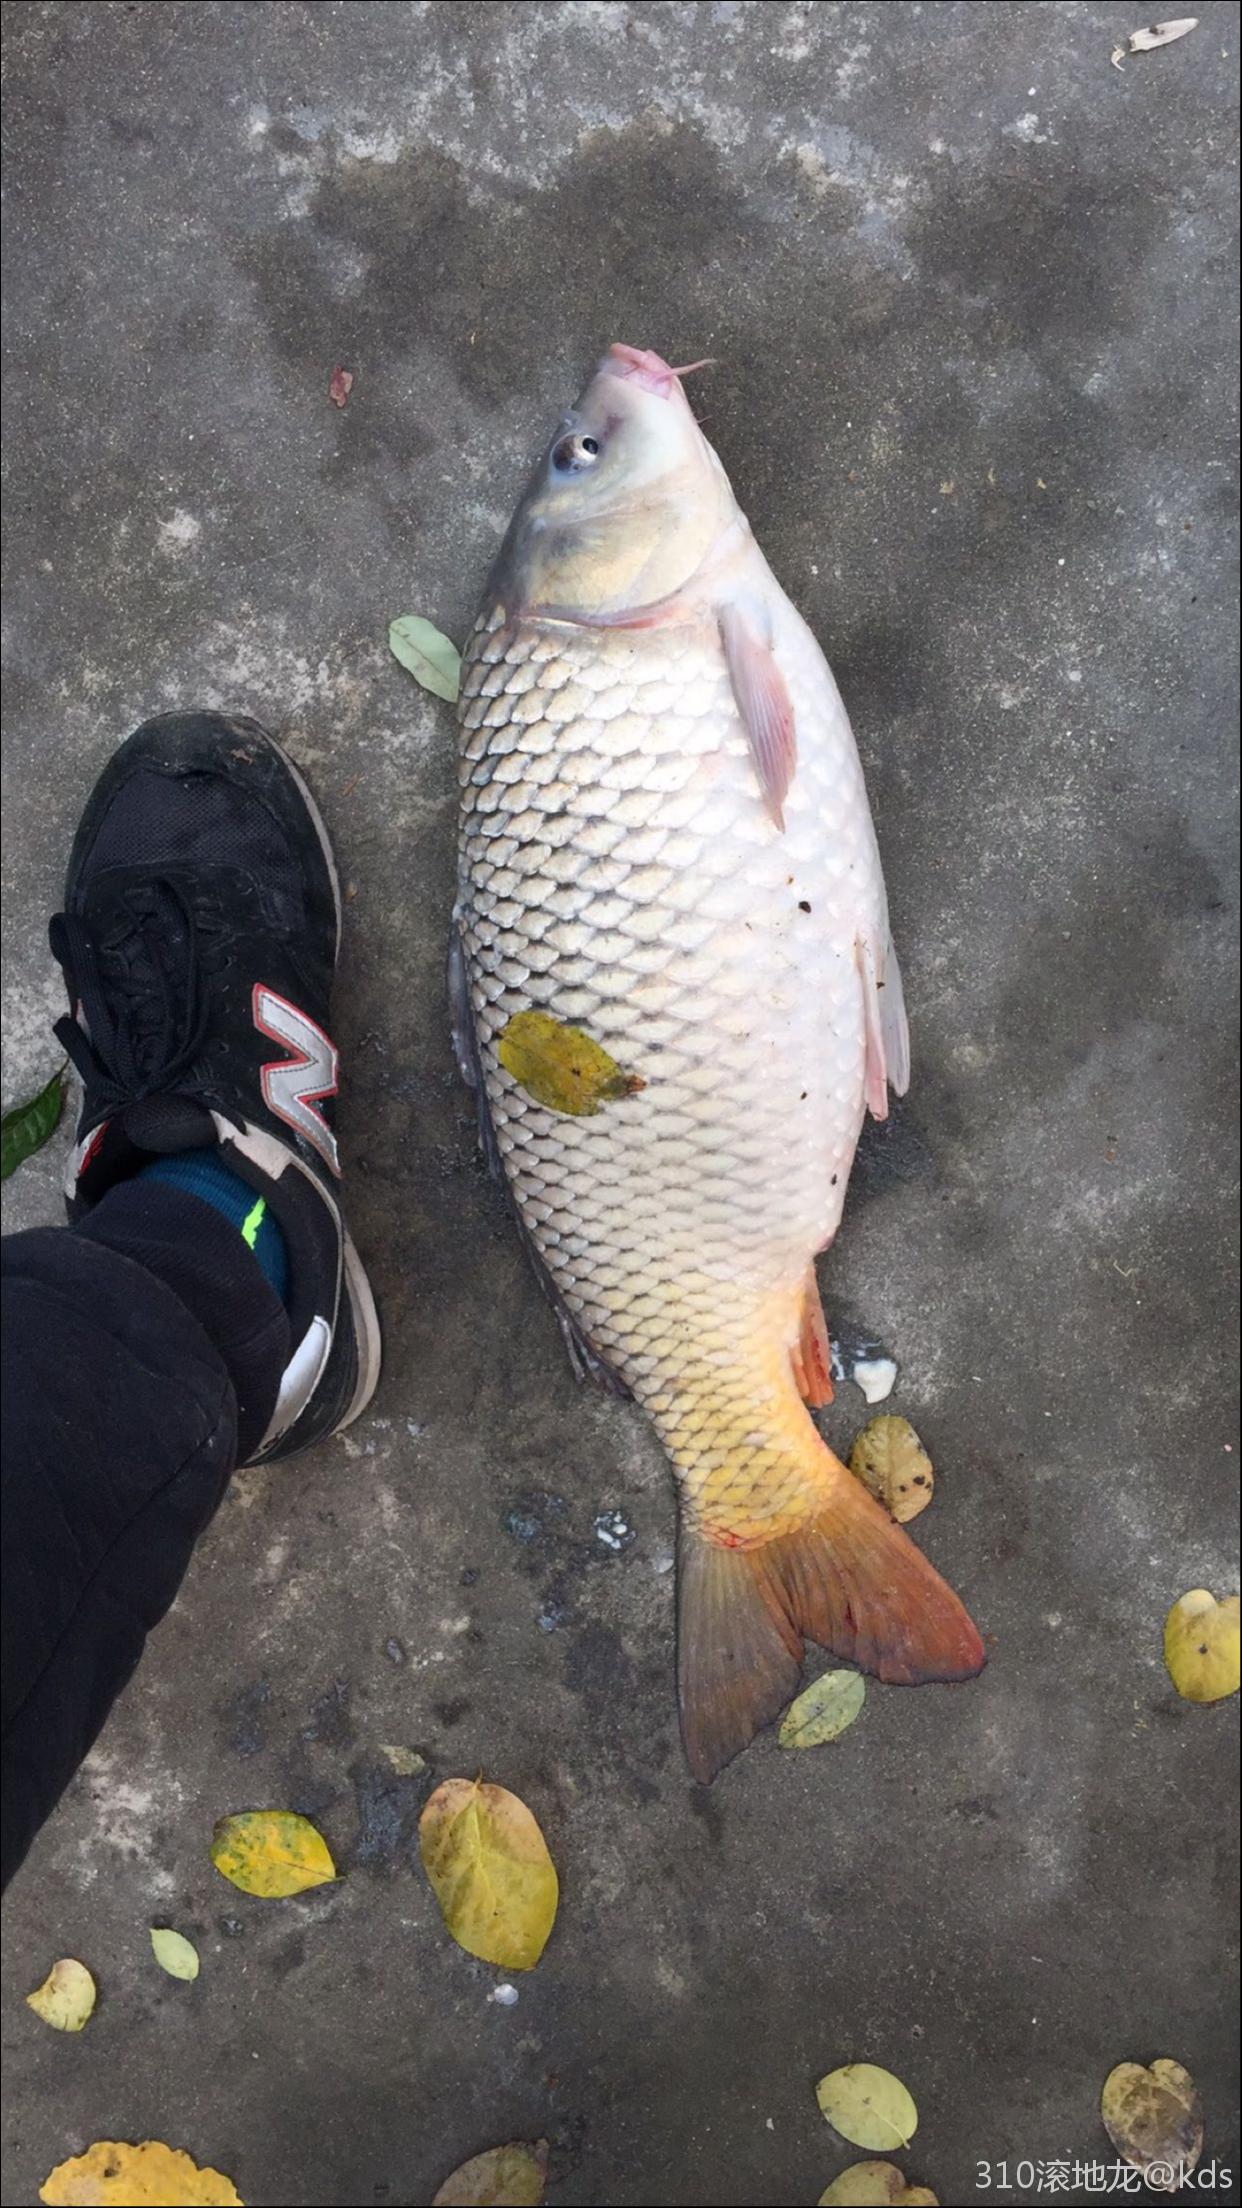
point(812, 1356)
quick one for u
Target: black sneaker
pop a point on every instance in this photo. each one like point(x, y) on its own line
point(198, 941)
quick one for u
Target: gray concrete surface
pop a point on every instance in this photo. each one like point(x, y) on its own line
point(971, 291)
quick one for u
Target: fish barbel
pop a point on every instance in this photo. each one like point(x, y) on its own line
point(666, 845)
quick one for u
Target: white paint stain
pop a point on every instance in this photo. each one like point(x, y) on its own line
point(1027, 131)
point(179, 532)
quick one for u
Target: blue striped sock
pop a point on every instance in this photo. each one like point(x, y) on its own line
point(202, 1173)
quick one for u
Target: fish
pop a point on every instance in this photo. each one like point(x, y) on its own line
point(666, 854)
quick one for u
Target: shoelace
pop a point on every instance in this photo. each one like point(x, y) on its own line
point(138, 989)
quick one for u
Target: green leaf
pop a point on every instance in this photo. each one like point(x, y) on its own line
point(174, 1953)
point(28, 1126)
point(823, 1710)
point(430, 656)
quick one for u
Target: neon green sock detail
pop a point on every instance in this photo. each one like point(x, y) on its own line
point(253, 1221)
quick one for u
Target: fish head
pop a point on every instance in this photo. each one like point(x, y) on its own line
point(626, 504)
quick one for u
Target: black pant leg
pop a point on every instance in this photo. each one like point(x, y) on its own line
point(120, 1430)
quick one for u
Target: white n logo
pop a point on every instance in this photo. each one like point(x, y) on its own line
point(292, 1085)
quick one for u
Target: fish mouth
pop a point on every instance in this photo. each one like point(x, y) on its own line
point(651, 370)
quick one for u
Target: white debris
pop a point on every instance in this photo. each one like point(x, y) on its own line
point(876, 1376)
point(504, 1996)
point(612, 1529)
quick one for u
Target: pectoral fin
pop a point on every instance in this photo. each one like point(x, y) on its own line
point(764, 703)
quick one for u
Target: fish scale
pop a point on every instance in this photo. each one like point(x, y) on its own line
point(665, 842)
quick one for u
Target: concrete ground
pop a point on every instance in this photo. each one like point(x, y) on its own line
point(971, 293)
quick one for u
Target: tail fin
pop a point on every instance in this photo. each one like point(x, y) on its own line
point(848, 1578)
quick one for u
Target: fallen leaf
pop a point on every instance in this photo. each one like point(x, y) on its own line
point(1154, 2118)
point(431, 657)
point(875, 2185)
point(66, 1997)
point(561, 1066)
point(1157, 34)
point(406, 1762)
point(28, 1126)
point(490, 1871)
point(113, 2175)
point(823, 1710)
point(271, 1852)
point(174, 1953)
point(893, 1465)
point(868, 2106)
point(1161, 34)
point(340, 384)
point(504, 2177)
point(1203, 1646)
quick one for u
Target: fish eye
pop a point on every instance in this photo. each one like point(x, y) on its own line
point(574, 453)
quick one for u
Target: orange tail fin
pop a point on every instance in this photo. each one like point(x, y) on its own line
point(849, 1578)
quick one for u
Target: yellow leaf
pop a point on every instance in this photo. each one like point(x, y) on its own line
point(113, 2175)
point(875, 2185)
point(174, 1953)
point(560, 1066)
point(490, 1871)
point(823, 1710)
point(868, 2106)
point(504, 2177)
point(1202, 1645)
point(1154, 2118)
point(66, 1997)
point(893, 1465)
point(271, 1852)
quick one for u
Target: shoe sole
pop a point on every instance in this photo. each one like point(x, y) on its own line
point(366, 1333)
point(354, 1277)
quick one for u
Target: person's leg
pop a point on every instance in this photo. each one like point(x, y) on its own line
point(208, 1307)
point(142, 1354)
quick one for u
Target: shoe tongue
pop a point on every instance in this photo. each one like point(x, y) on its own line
point(166, 1124)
